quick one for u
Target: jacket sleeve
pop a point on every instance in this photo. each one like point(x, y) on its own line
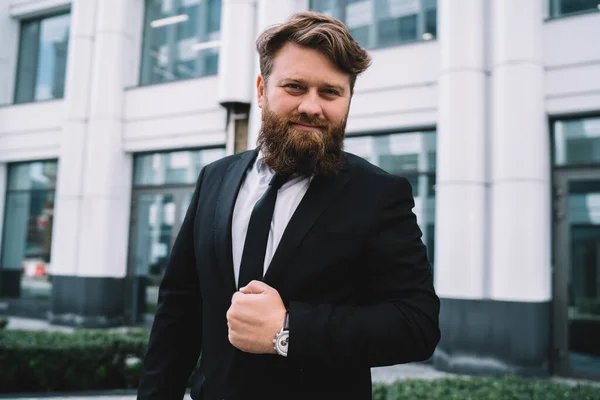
point(397, 322)
point(176, 336)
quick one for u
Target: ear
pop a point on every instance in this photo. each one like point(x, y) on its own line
point(260, 90)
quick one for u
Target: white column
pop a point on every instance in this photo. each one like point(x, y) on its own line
point(93, 195)
point(104, 225)
point(521, 227)
point(71, 174)
point(9, 37)
point(236, 57)
point(460, 253)
point(269, 12)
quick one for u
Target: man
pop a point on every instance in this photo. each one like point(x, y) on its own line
point(298, 266)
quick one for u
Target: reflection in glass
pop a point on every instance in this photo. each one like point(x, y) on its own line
point(42, 59)
point(577, 141)
point(154, 237)
point(163, 187)
point(411, 155)
point(565, 7)
point(179, 167)
point(584, 282)
point(155, 220)
point(333, 8)
point(378, 23)
point(181, 40)
point(27, 235)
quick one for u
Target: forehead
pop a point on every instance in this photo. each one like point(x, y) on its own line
point(297, 62)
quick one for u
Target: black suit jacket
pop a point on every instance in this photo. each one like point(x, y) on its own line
point(351, 268)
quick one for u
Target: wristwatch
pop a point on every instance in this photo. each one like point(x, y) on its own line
point(282, 339)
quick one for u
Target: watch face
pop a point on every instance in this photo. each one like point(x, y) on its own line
point(282, 343)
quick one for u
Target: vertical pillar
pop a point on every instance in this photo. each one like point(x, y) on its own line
point(9, 32)
point(269, 12)
point(520, 192)
point(521, 163)
point(69, 191)
point(492, 255)
point(462, 176)
point(236, 68)
point(92, 220)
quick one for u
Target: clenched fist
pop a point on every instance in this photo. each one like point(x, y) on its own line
point(255, 316)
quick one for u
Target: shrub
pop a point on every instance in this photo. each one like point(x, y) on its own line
point(82, 360)
point(102, 360)
point(505, 388)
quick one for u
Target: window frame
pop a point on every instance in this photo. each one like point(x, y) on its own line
point(552, 120)
point(390, 132)
point(144, 48)
point(551, 13)
point(8, 191)
point(429, 226)
point(136, 155)
point(374, 28)
point(38, 20)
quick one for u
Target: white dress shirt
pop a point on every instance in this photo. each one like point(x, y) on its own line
point(254, 186)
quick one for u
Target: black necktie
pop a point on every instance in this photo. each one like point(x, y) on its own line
point(255, 245)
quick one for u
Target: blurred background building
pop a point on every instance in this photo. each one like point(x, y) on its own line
point(491, 108)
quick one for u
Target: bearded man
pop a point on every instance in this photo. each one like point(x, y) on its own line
point(298, 266)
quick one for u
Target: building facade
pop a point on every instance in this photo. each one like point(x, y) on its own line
point(491, 108)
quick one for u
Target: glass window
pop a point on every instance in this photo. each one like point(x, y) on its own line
point(413, 156)
point(181, 40)
point(163, 188)
point(174, 168)
point(379, 23)
point(565, 7)
point(27, 236)
point(42, 62)
point(577, 141)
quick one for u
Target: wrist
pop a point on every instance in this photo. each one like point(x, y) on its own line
point(281, 340)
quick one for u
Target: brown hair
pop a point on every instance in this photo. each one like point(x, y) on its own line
point(316, 31)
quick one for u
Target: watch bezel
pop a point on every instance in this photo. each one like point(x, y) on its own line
point(281, 342)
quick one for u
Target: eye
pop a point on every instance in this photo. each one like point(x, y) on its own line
point(331, 92)
point(293, 86)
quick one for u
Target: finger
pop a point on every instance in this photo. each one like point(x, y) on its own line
point(242, 314)
point(255, 287)
point(237, 297)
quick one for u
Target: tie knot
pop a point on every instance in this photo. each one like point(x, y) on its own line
point(278, 180)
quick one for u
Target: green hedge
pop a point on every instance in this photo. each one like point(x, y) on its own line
point(82, 360)
point(506, 388)
point(104, 360)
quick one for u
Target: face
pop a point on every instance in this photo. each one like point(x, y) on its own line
point(305, 103)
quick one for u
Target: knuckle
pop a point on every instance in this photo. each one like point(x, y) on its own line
point(231, 313)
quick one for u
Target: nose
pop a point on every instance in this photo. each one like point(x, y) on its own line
point(311, 106)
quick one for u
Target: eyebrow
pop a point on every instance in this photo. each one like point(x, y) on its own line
point(325, 85)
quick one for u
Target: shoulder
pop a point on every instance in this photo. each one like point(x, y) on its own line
point(375, 177)
point(225, 162)
point(218, 168)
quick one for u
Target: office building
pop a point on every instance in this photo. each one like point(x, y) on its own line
point(491, 108)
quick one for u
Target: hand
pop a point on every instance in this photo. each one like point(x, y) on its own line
point(255, 316)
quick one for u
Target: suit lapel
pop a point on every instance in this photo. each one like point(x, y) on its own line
point(224, 214)
point(319, 196)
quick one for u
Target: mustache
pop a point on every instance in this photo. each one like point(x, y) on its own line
point(306, 120)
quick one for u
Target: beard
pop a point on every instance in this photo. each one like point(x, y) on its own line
point(288, 150)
